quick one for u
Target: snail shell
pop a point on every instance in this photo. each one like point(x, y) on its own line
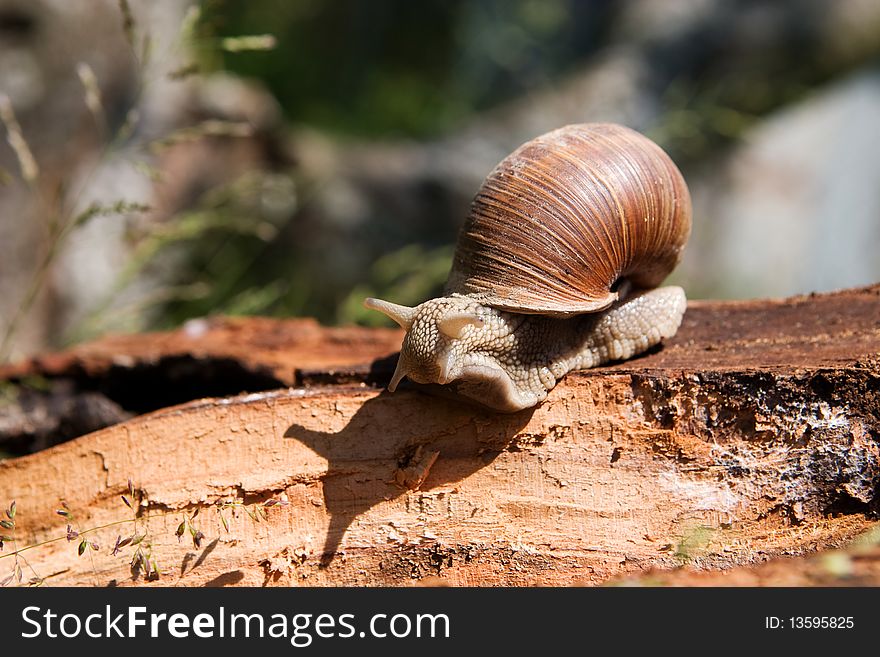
point(566, 216)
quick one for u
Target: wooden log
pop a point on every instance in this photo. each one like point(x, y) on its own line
point(752, 434)
point(259, 346)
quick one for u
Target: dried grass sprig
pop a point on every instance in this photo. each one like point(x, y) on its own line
point(26, 161)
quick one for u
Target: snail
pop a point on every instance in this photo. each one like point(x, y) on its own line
point(556, 268)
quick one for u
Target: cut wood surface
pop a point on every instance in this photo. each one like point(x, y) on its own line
point(752, 434)
point(272, 348)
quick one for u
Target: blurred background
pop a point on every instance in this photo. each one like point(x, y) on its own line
point(163, 160)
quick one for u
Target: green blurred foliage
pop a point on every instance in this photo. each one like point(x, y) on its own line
point(217, 251)
point(398, 68)
point(402, 68)
point(407, 276)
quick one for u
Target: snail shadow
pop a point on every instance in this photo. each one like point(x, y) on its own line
point(396, 444)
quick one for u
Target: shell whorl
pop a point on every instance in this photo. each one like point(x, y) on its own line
point(569, 214)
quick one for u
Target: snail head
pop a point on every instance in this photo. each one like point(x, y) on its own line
point(445, 338)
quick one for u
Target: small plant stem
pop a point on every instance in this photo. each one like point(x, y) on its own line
point(64, 538)
point(60, 227)
point(33, 292)
point(26, 562)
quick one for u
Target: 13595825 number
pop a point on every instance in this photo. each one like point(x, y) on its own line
point(821, 622)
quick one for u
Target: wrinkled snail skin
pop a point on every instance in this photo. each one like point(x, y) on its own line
point(510, 361)
point(555, 269)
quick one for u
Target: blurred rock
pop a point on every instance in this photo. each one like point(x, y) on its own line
point(796, 207)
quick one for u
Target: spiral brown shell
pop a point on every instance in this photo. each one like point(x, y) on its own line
point(566, 216)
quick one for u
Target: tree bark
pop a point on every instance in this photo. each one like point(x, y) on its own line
point(752, 434)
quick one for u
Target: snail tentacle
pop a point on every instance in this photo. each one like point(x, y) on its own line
point(402, 315)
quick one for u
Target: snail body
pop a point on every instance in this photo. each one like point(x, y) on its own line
point(555, 269)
